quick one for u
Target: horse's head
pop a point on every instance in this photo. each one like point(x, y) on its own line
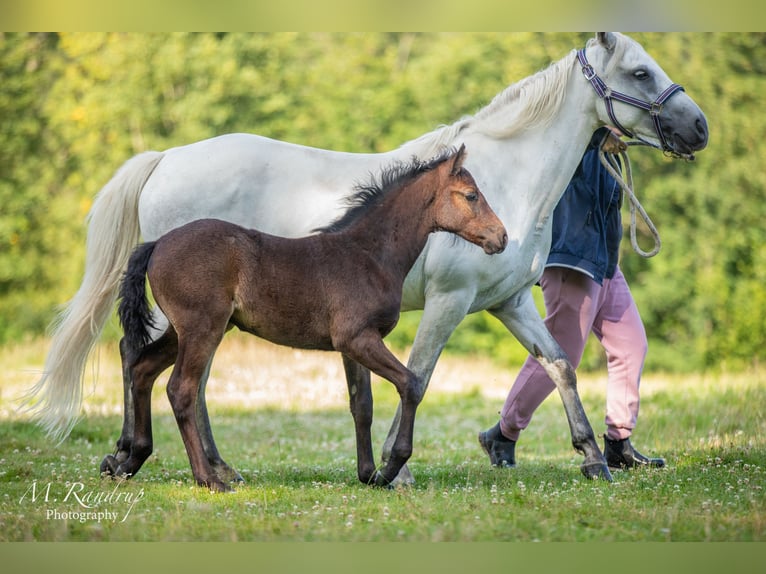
point(639, 98)
point(459, 207)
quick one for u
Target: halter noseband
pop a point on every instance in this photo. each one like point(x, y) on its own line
point(607, 94)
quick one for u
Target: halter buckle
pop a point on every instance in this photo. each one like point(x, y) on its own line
point(656, 109)
point(588, 72)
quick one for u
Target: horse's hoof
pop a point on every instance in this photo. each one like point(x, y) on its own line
point(109, 466)
point(596, 470)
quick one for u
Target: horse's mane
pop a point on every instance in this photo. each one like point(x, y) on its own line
point(535, 100)
point(393, 176)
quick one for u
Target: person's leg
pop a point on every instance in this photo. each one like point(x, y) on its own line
point(570, 303)
point(621, 332)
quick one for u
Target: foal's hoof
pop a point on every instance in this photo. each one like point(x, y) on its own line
point(382, 482)
point(109, 466)
point(596, 470)
point(217, 486)
point(227, 474)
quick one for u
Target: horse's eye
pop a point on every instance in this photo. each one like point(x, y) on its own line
point(641, 74)
point(472, 196)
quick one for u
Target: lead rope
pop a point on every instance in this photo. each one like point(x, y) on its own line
point(609, 161)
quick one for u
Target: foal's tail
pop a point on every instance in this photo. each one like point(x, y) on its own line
point(134, 310)
point(113, 232)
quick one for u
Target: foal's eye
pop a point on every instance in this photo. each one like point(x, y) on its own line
point(472, 196)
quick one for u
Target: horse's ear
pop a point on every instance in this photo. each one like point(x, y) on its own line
point(607, 40)
point(457, 160)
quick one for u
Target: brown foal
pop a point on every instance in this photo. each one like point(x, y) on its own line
point(337, 290)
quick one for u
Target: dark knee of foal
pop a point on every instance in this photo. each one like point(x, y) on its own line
point(141, 450)
point(413, 391)
point(362, 414)
point(401, 453)
point(183, 403)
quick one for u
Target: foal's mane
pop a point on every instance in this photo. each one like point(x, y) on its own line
point(392, 177)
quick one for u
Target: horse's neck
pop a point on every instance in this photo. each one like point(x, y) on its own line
point(545, 183)
point(537, 163)
point(524, 173)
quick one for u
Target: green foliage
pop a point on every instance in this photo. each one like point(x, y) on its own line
point(76, 106)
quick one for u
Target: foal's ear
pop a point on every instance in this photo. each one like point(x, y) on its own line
point(607, 40)
point(457, 160)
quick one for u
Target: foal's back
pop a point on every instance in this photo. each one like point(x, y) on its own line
point(210, 275)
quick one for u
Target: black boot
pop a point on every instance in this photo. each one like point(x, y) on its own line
point(501, 450)
point(621, 454)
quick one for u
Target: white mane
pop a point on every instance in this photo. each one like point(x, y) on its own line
point(533, 101)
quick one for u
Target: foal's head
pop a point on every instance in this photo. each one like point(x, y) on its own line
point(459, 206)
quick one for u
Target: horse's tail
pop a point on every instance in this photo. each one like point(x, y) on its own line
point(113, 231)
point(134, 310)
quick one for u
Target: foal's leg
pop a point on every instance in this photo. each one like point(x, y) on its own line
point(368, 349)
point(441, 316)
point(122, 449)
point(195, 351)
point(149, 362)
point(221, 469)
point(360, 400)
point(521, 317)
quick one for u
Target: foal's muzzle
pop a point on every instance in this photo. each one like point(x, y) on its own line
point(497, 244)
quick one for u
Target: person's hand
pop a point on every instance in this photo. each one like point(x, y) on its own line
point(613, 144)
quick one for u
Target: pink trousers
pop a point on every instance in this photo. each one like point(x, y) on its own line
point(575, 306)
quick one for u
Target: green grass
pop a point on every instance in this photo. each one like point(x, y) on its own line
point(299, 465)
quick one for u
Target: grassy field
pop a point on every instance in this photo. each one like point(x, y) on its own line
point(280, 418)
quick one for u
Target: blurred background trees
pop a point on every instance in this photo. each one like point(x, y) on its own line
point(74, 107)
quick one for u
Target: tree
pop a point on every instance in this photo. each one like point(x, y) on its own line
point(76, 106)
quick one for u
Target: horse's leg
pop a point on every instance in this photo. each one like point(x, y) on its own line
point(368, 349)
point(143, 369)
point(222, 470)
point(194, 355)
point(441, 316)
point(360, 401)
point(122, 449)
point(521, 317)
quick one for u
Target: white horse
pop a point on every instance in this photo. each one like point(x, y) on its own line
point(523, 149)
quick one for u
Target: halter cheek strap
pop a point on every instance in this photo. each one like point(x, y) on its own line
point(607, 94)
